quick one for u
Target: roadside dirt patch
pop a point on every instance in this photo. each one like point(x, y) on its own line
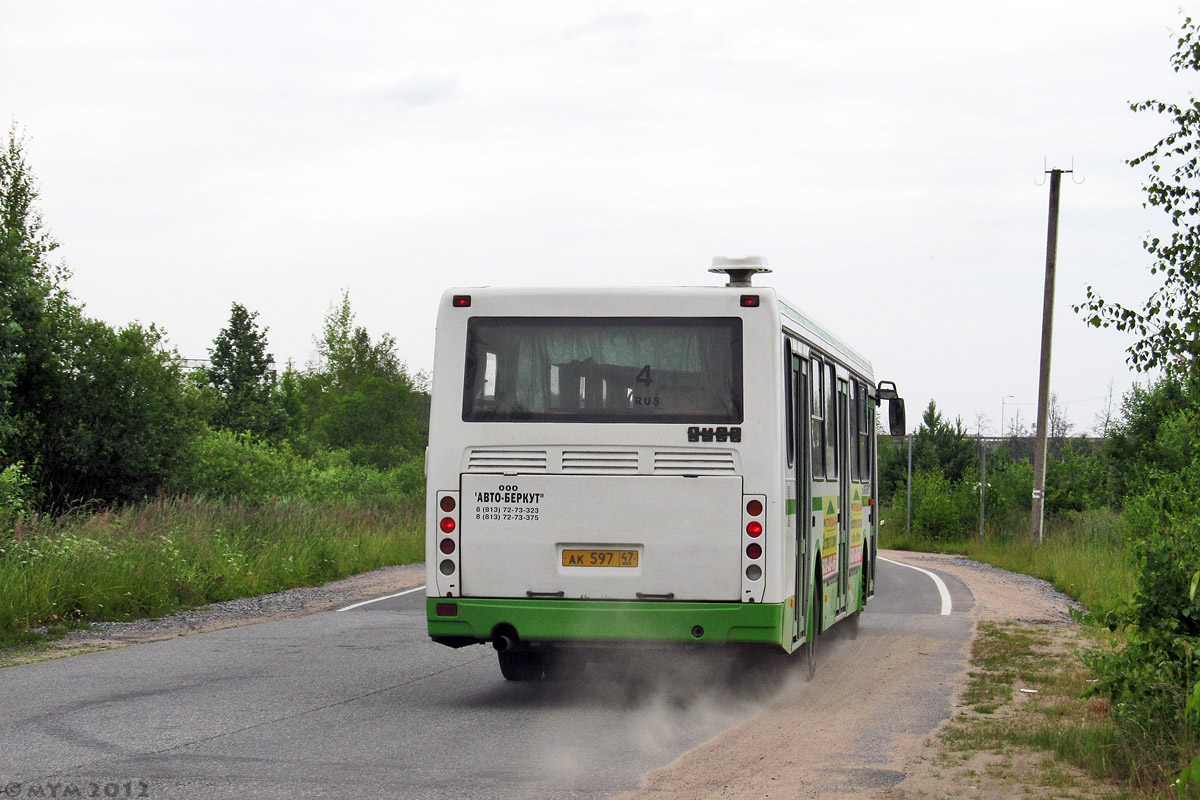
point(862, 727)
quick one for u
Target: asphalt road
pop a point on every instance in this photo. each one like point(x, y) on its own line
point(361, 704)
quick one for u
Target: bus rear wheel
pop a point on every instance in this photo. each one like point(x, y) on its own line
point(520, 665)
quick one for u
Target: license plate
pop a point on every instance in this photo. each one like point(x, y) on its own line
point(600, 558)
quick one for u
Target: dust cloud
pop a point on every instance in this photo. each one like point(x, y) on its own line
point(658, 701)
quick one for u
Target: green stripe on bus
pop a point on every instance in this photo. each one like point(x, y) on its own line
point(540, 620)
point(790, 506)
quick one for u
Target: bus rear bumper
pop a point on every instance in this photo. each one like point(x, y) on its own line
point(477, 620)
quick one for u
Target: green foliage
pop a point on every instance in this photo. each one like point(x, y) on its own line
point(224, 464)
point(358, 397)
point(112, 422)
point(94, 415)
point(91, 412)
point(892, 465)
point(1166, 325)
point(170, 553)
point(1009, 493)
point(348, 356)
point(15, 494)
point(380, 423)
point(241, 372)
point(1075, 481)
point(1156, 434)
point(941, 510)
point(348, 483)
point(942, 447)
point(1155, 463)
point(28, 284)
point(227, 465)
point(1152, 677)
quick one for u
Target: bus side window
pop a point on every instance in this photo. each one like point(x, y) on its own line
point(864, 434)
point(817, 389)
point(831, 465)
point(789, 382)
point(855, 422)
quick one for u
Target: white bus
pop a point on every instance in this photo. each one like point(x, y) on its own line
point(615, 466)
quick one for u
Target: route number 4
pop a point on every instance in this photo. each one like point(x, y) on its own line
point(644, 375)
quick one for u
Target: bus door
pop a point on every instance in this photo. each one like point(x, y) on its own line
point(842, 428)
point(799, 474)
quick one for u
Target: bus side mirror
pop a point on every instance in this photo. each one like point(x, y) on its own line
point(896, 416)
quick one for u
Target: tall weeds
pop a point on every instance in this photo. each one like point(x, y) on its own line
point(1084, 553)
point(160, 556)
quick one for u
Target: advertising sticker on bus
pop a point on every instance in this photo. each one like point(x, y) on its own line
point(829, 540)
point(856, 525)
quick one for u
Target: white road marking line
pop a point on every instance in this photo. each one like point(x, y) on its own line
point(389, 597)
point(941, 585)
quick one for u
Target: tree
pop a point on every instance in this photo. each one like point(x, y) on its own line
point(29, 285)
point(1167, 325)
point(357, 397)
point(348, 356)
point(86, 412)
point(242, 374)
point(117, 421)
point(381, 423)
point(1018, 427)
point(1107, 415)
point(941, 447)
point(1059, 426)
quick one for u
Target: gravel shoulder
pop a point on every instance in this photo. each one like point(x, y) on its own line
point(867, 725)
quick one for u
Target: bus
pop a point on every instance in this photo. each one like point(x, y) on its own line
point(613, 467)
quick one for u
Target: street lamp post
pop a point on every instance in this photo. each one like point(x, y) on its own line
point(1004, 400)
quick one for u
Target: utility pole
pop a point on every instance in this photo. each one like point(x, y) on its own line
point(1039, 452)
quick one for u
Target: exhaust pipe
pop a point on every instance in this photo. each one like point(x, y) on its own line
point(503, 642)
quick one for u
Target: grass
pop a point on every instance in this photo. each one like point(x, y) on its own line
point(158, 557)
point(1062, 718)
point(1083, 554)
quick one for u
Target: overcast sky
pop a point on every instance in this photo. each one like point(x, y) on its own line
point(885, 158)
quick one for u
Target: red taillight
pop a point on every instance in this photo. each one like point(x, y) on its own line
point(447, 504)
point(447, 525)
point(462, 301)
point(754, 508)
point(754, 529)
point(447, 609)
point(447, 546)
point(749, 301)
point(754, 550)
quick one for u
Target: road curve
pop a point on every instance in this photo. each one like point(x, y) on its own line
point(361, 704)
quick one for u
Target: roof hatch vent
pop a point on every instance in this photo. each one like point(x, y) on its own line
point(739, 270)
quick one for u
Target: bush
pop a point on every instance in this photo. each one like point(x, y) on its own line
point(1009, 492)
point(221, 463)
point(153, 558)
point(15, 494)
point(1075, 481)
point(355, 482)
point(237, 465)
point(1152, 676)
point(941, 510)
